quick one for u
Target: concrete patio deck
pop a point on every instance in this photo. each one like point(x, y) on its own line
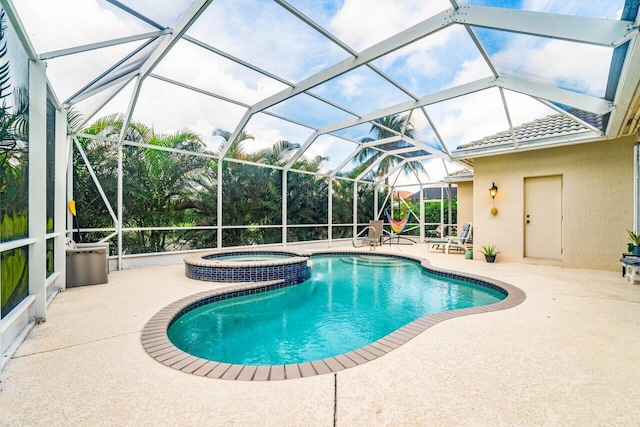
point(568, 355)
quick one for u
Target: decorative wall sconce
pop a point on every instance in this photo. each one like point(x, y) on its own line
point(493, 191)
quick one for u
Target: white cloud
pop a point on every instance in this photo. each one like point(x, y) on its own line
point(472, 70)
point(59, 24)
point(580, 67)
point(351, 85)
point(362, 23)
point(481, 114)
point(267, 36)
point(594, 8)
point(336, 149)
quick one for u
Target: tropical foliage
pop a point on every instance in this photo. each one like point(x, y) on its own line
point(386, 127)
point(170, 189)
point(14, 109)
point(175, 190)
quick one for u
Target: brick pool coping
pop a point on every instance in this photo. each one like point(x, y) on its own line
point(157, 344)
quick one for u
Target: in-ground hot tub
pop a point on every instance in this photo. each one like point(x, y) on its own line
point(248, 266)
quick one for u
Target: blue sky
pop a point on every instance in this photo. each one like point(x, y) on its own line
point(263, 33)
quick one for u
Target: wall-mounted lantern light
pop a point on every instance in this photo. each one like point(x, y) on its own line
point(493, 191)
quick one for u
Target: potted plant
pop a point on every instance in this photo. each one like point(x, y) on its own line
point(489, 252)
point(635, 239)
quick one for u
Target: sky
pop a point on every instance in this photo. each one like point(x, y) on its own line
point(264, 34)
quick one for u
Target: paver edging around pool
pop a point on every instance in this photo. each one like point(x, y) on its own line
point(157, 344)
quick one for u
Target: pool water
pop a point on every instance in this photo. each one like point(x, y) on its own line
point(348, 303)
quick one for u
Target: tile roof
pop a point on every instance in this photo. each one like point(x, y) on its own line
point(547, 127)
point(462, 173)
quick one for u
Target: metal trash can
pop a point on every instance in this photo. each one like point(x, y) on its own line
point(87, 264)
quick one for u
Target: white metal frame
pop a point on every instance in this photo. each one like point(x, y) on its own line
point(592, 31)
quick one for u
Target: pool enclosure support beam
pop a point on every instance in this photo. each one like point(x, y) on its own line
point(449, 212)
point(442, 208)
point(579, 29)
point(219, 204)
point(60, 197)
point(355, 208)
point(436, 132)
point(284, 208)
point(225, 99)
point(372, 166)
point(120, 187)
point(571, 116)
point(346, 161)
point(376, 201)
point(99, 107)
point(508, 116)
point(99, 45)
point(261, 71)
point(422, 228)
point(300, 151)
point(536, 90)
point(186, 20)
point(70, 195)
point(408, 36)
point(91, 88)
point(551, 93)
point(95, 180)
point(37, 187)
point(308, 21)
point(120, 210)
point(21, 32)
point(629, 79)
point(601, 32)
point(135, 13)
point(330, 212)
point(236, 132)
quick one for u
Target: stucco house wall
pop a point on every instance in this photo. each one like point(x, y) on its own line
point(465, 202)
point(597, 201)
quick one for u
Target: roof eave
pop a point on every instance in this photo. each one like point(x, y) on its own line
point(553, 142)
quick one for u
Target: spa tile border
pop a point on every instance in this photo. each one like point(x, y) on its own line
point(157, 344)
point(211, 267)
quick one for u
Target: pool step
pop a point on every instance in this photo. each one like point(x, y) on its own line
point(373, 261)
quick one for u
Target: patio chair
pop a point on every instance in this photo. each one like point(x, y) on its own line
point(438, 233)
point(630, 266)
point(458, 242)
point(374, 235)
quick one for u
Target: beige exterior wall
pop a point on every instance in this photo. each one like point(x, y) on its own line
point(597, 199)
point(465, 202)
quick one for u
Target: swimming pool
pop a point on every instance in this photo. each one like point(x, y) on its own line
point(352, 310)
point(349, 302)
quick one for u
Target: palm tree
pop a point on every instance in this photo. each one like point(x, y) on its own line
point(236, 151)
point(156, 182)
point(278, 154)
point(386, 127)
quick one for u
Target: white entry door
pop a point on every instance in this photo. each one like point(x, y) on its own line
point(543, 217)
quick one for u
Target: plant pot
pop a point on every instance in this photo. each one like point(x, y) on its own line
point(636, 250)
point(468, 254)
point(490, 258)
point(630, 247)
